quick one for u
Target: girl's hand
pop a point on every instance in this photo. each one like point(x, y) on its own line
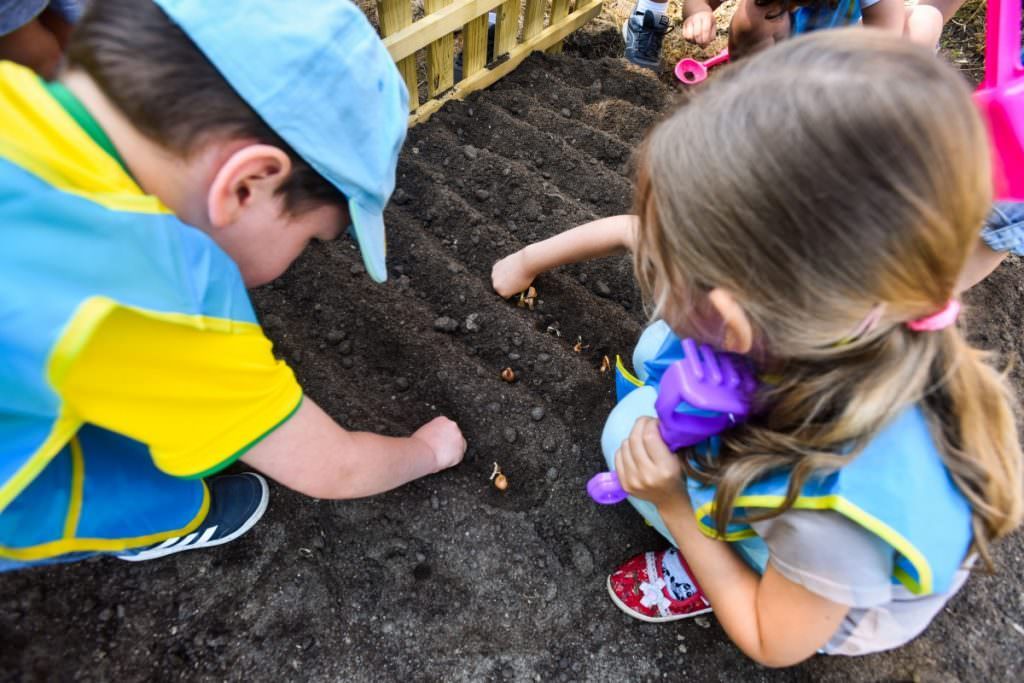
point(646, 467)
point(510, 275)
point(700, 27)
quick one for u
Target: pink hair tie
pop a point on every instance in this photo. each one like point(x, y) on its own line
point(937, 321)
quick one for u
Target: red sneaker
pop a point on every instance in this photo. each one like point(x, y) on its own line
point(639, 589)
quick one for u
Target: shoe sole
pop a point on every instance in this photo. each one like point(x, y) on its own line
point(650, 620)
point(250, 523)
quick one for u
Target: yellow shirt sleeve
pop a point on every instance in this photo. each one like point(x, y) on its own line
point(198, 391)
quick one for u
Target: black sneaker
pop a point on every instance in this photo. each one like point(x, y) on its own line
point(237, 501)
point(643, 35)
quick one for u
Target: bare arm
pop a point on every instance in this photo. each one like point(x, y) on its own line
point(514, 273)
point(311, 454)
point(773, 620)
point(982, 261)
point(888, 15)
point(699, 20)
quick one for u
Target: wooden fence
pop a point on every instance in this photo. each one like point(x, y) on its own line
point(434, 33)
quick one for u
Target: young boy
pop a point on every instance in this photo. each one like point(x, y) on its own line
point(191, 149)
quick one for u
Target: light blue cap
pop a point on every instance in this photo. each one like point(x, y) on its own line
point(317, 73)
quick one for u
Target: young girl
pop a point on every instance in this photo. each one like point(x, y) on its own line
point(821, 230)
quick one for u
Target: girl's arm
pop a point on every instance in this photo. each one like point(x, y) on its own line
point(774, 621)
point(604, 237)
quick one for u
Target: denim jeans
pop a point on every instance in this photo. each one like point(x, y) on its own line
point(1004, 229)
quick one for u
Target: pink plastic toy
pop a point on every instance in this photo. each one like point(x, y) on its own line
point(692, 71)
point(1001, 97)
point(699, 396)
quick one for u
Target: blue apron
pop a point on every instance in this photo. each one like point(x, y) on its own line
point(897, 487)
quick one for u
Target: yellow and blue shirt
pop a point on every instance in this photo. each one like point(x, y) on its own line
point(131, 361)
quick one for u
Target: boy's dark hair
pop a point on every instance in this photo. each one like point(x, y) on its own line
point(157, 77)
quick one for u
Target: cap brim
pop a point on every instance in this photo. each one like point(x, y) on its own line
point(368, 227)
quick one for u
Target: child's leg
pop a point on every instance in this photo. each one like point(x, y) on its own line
point(643, 32)
point(648, 346)
point(924, 25)
point(639, 403)
point(103, 494)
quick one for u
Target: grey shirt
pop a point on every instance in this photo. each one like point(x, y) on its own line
point(836, 558)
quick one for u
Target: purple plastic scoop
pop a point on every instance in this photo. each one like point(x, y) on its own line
point(699, 396)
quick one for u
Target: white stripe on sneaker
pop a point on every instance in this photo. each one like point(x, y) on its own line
point(191, 542)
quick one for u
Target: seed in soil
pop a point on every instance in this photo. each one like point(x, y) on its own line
point(579, 346)
point(606, 364)
point(499, 480)
point(445, 324)
point(528, 299)
point(508, 374)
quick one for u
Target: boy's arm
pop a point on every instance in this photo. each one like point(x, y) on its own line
point(311, 454)
point(699, 20)
point(514, 273)
point(774, 621)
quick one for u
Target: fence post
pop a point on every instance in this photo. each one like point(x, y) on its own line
point(534, 21)
point(559, 11)
point(474, 46)
point(440, 56)
point(394, 15)
point(507, 28)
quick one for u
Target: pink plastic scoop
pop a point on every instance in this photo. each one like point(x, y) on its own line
point(692, 71)
point(1001, 97)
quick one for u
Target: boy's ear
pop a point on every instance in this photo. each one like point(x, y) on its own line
point(247, 180)
point(738, 333)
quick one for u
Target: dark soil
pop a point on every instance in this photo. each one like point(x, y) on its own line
point(447, 578)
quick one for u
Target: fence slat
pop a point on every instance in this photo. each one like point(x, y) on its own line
point(394, 15)
point(484, 78)
point(401, 44)
point(440, 56)
point(474, 46)
point(534, 21)
point(559, 10)
point(507, 28)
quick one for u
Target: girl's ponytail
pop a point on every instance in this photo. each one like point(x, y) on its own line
point(970, 410)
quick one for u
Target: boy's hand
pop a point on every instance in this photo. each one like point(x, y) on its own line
point(699, 27)
point(444, 438)
point(509, 276)
point(647, 469)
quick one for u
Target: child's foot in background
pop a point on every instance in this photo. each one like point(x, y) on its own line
point(643, 33)
point(657, 587)
point(237, 501)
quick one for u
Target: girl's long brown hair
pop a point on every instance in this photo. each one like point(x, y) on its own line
point(836, 175)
